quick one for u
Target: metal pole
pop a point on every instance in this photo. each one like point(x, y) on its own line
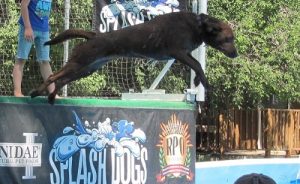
point(259, 125)
point(195, 52)
point(66, 43)
point(200, 52)
point(162, 74)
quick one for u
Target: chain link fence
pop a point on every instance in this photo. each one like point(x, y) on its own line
point(111, 80)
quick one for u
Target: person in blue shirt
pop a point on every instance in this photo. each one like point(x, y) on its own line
point(33, 29)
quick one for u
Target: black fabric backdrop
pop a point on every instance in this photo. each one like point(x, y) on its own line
point(112, 15)
point(65, 144)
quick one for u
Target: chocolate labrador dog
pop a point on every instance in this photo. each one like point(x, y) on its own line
point(168, 36)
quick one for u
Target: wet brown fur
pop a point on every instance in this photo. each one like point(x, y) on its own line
point(167, 36)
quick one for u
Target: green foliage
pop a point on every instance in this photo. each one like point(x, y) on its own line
point(8, 31)
point(89, 86)
point(267, 37)
point(8, 42)
point(5, 80)
point(173, 82)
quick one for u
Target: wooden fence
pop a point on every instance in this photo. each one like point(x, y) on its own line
point(268, 129)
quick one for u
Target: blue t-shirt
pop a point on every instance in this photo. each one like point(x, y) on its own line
point(39, 11)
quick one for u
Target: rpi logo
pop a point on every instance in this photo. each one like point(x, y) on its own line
point(26, 155)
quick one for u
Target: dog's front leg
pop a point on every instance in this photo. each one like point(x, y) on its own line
point(187, 59)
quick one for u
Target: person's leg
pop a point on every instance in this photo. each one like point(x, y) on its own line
point(46, 71)
point(22, 55)
point(43, 58)
point(17, 77)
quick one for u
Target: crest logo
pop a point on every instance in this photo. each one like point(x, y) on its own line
point(174, 150)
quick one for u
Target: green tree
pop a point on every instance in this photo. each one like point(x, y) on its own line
point(267, 37)
point(8, 42)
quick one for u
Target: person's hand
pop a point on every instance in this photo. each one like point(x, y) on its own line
point(28, 34)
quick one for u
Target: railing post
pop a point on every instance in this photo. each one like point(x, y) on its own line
point(200, 52)
point(268, 134)
point(66, 43)
point(259, 128)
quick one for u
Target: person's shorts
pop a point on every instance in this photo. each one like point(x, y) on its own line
point(24, 46)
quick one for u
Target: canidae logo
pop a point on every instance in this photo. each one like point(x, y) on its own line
point(26, 155)
point(92, 142)
point(174, 150)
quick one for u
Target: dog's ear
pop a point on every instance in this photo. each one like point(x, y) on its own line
point(202, 19)
point(211, 25)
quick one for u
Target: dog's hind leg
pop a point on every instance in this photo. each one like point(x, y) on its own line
point(58, 85)
point(69, 68)
point(37, 92)
point(84, 72)
point(51, 96)
point(188, 60)
point(42, 87)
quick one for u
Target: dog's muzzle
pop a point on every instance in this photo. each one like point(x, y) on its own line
point(233, 54)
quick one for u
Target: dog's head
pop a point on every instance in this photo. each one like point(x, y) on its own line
point(217, 34)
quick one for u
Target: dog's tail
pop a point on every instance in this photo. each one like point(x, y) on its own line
point(70, 34)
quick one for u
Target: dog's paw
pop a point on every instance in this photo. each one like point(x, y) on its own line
point(34, 93)
point(51, 98)
point(197, 80)
point(47, 43)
